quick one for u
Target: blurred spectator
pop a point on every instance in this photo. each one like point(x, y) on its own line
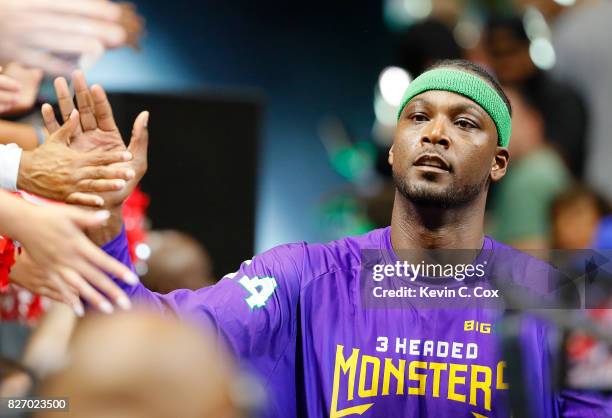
point(562, 109)
point(521, 201)
point(58, 36)
point(425, 43)
point(581, 38)
point(177, 261)
point(15, 380)
point(576, 216)
point(141, 365)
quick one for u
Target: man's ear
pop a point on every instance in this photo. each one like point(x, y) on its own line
point(390, 159)
point(500, 163)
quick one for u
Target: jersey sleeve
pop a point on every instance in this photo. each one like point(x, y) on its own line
point(254, 308)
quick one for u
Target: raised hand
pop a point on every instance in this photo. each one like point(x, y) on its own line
point(55, 171)
point(98, 130)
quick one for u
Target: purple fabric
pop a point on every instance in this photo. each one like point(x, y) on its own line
point(320, 354)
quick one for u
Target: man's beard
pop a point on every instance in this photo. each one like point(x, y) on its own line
point(451, 197)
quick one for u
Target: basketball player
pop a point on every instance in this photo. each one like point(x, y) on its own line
point(296, 313)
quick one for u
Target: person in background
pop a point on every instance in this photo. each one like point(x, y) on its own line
point(581, 39)
point(166, 369)
point(576, 216)
point(562, 109)
point(177, 261)
point(521, 203)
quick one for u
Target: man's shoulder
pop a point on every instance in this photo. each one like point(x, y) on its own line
point(505, 254)
point(316, 259)
point(525, 269)
point(344, 253)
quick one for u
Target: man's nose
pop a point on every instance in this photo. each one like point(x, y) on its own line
point(435, 133)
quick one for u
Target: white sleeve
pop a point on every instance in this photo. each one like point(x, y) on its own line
point(10, 156)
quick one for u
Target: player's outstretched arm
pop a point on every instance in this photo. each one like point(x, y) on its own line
point(260, 297)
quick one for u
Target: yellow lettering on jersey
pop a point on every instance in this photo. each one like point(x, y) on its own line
point(347, 366)
point(413, 375)
point(437, 368)
point(484, 385)
point(454, 380)
point(373, 390)
point(397, 372)
point(500, 384)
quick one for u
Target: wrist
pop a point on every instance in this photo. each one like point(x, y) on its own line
point(25, 167)
point(110, 230)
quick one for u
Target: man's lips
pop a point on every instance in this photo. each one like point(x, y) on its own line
point(433, 161)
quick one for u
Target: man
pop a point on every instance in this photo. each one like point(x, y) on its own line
point(295, 313)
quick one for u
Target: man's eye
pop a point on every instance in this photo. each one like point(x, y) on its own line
point(419, 117)
point(464, 123)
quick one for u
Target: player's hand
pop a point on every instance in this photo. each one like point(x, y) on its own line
point(9, 92)
point(98, 131)
point(58, 172)
point(29, 81)
point(54, 239)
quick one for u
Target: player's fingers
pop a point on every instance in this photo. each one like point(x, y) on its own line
point(68, 129)
point(84, 101)
point(85, 199)
point(103, 109)
point(49, 118)
point(64, 99)
point(139, 142)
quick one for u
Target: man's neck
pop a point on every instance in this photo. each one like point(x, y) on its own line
point(414, 226)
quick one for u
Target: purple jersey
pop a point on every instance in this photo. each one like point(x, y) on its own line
point(294, 314)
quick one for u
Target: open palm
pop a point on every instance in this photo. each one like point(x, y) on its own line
point(98, 130)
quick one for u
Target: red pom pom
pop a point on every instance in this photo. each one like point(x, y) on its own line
point(134, 216)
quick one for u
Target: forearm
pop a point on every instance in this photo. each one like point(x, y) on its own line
point(48, 344)
point(18, 133)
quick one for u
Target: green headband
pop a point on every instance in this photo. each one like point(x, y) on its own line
point(468, 85)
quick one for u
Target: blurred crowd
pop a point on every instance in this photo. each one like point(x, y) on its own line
point(554, 63)
point(555, 194)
